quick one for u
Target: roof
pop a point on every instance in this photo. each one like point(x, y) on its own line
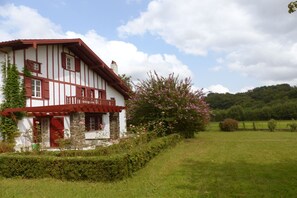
point(80, 49)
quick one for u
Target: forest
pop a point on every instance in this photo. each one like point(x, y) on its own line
point(262, 103)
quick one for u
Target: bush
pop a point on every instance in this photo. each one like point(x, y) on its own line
point(272, 125)
point(229, 125)
point(93, 168)
point(6, 147)
point(168, 105)
point(293, 126)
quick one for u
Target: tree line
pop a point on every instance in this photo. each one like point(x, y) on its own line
point(262, 103)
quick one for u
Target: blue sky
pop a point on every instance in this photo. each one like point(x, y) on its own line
point(222, 45)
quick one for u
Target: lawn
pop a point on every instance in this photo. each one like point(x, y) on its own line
point(214, 164)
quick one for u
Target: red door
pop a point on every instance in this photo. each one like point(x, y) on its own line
point(56, 130)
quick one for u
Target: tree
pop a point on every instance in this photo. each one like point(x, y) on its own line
point(292, 6)
point(127, 80)
point(236, 112)
point(170, 103)
point(14, 96)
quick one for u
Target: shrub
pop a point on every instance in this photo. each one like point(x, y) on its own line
point(272, 125)
point(6, 147)
point(168, 105)
point(293, 126)
point(94, 168)
point(229, 125)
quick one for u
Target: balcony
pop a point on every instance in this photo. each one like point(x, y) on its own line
point(86, 100)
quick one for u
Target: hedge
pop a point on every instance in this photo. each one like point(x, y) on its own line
point(125, 145)
point(95, 168)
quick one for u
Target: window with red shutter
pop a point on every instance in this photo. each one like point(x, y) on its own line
point(33, 66)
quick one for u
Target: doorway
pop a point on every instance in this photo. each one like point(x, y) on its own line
point(56, 130)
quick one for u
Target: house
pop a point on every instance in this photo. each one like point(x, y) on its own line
point(69, 84)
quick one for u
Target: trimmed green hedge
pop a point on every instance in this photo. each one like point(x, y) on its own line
point(96, 168)
point(124, 146)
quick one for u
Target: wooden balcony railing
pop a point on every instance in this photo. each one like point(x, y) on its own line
point(86, 100)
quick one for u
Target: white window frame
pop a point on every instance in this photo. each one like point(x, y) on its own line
point(36, 88)
point(70, 62)
point(36, 66)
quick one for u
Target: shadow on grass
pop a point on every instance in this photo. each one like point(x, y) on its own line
point(240, 179)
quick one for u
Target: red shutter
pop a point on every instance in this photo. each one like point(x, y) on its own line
point(88, 93)
point(45, 89)
point(63, 56)
point(78, 91)
point(29, 64)
point(28, 87)
point(77, 64)
point(103, 95)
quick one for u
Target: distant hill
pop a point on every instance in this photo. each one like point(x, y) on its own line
point(262, 103)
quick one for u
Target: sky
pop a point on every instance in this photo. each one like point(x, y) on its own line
point(222, 45)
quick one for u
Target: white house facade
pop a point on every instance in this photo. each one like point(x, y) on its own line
point(68, 84)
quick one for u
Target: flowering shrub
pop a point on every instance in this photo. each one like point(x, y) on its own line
point(168, 105)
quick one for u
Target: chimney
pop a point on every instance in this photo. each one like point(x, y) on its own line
point(114, 67)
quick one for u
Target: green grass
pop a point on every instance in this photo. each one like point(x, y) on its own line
point(282, 125)
point(214, 164)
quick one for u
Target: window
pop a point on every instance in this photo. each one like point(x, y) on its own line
point(92, 93)
point(92, 124)
point(32, 66)
point(69, 62)
point(36, 88)
point(83, 92)
point(93, 121)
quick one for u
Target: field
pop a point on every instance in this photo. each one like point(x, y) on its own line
point(282, 125)
point(214, 164)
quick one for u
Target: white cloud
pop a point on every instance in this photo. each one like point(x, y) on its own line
point(216, 68)
point(14, 24)
point(258, 38)
point(25, 22)
point(130, 60)
point(218, 89)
